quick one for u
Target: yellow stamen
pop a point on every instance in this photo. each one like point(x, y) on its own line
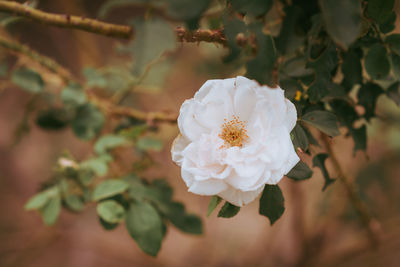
point(234, 132)
point(297, 96)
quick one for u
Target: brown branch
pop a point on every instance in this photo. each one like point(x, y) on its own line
point(121, 111)
point(48, 63)
point(371, 224)
point(210, 36)
point(106, 105)
point(67, 21)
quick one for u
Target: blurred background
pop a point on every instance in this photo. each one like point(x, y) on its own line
point(317, 229)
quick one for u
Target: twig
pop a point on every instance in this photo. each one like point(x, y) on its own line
point(108, 107)
point(67, 21)
point(371, 224)
point(211, 36)
point(44, 61)
point(120, 111)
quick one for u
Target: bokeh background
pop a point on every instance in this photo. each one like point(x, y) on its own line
point(317, 229)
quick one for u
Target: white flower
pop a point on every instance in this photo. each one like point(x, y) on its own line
point(235, 138)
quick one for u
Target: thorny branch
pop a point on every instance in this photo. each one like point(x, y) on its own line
point(107, 106)
point(67, 21)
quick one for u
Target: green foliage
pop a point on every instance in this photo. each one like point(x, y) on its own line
point(251, 7)
point(319, 161)
point(149, 143)
point(379, 10)
point(300, 172)
point(88, 122)
point(73, 95)
point(153, 38)
point(107, 142)
point(215, 200)
point(188, 11)
point(342, 20)
point(323, 121)
point(29, 80)
point(377, 63)
point(260, 68)
point(299, 137)
point(228, 210)
point(272, 203)
point(109, 188)
point(53, 119)
point(110, 211)
point(333, 59)
point(145, 226)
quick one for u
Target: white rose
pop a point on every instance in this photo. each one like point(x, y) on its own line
point(235, 138)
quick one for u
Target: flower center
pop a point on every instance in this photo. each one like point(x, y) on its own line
point(234, 132)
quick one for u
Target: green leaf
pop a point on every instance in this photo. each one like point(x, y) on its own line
point(98, 165)
point(393, 92)
point(88, 122)
point(111, 211)
point(296, 67)
point(94, 78)
point(342, 19)
point(379, 10)
point(73, 95)
point(299, 137)
point(149, 143)
point(27, 79)
point(395, 62)
point(393, 41)
point(260, 68)
point(51, 210)
point(344, 111)
point(214, 201)
point(132, 133)
point(107, 142)
point(74, 202)
point(228, 210)
point(37, 201)
point(351, 67)
point(310, 137)
point(376, 62)
point(53, 119)
point(145, 226)
point(41, 198)
point(152, 38)
point(233, 27)
point(272, 203)
point(289, 37)
point(188, 11)
point(107, 226)
point(300, 172)
point(367, 97)
point(251, 7)
point(389, 24)
point(322, 120)
point(109, 188)
point(188, 223)
point(360, 138)
point(319, 161)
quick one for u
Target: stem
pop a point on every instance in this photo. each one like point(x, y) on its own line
point(44, 61)
point(211, 36)
point(67, 21)
point(106, 105)
point(371, 224)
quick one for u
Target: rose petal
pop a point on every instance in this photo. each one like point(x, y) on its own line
point(178, 145)
point(208, 187)
point(240, 198)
